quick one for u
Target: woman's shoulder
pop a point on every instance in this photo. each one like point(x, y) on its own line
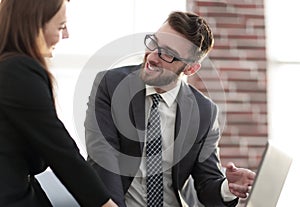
point(22, 64)
point(20, 60)
point(24, 83)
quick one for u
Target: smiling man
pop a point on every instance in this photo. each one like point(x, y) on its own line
point(148, 132)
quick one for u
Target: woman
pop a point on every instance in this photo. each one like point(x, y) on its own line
point(31, 136)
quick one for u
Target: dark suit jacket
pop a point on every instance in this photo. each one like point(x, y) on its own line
point(33, 138)
point(115, 131)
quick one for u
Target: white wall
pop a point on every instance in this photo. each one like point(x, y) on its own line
point(283, 87)
point(93, 23)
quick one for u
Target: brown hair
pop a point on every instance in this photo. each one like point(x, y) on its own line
point(21, 22)
point(195, 29)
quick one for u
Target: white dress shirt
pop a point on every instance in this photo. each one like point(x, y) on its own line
point(136, 195)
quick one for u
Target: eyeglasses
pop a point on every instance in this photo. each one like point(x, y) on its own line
point(165, 54)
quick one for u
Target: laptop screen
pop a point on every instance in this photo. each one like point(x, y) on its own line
point(270, 177)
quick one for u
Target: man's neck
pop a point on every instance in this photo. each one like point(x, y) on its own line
point(162, 89)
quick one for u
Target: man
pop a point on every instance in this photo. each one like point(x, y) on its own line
point(148, 132)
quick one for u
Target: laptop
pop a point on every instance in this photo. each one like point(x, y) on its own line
point(270, 177)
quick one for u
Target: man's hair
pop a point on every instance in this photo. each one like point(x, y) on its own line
point(195, 29)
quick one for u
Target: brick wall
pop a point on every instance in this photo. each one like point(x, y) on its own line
point(234, 76)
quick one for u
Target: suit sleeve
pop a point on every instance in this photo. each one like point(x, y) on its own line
point(26, 100)
point(207, 172)
point(102, 138)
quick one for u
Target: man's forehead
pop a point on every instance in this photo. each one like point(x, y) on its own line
point(167, 36)
point(173, 41)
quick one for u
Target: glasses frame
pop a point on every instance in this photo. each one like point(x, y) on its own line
point(151, 36)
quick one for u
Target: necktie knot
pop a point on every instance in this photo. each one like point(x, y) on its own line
point(156, 98)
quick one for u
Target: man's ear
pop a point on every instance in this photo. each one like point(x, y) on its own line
point(192, 68)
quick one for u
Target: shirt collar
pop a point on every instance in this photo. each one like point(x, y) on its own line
point(169, 96)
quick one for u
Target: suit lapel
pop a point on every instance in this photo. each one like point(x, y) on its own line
point(185, 104)
point(137, 92)
point(186, 126)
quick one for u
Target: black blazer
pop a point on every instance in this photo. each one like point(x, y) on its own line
point(33, 138)
point(115, 131)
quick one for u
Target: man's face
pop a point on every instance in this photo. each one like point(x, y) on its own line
point(156, 71)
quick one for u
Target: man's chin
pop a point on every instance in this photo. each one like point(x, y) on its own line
point(159, 83)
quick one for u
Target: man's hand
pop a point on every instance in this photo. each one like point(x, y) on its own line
point(240, 180)
point(110, 203)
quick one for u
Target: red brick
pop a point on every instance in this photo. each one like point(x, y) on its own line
point(234, 76)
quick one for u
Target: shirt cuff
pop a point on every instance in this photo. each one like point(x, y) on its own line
point(225, 192)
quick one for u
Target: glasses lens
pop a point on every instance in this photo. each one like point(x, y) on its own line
point(150, 43)
point(166, 55)
point(163, 53)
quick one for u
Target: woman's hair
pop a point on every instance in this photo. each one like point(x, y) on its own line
point(21, 22)
point(195, 29)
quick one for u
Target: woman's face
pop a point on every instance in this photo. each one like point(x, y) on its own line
point(55, 30)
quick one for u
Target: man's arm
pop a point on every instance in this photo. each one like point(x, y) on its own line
point(102, 139)
point(207, 173)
